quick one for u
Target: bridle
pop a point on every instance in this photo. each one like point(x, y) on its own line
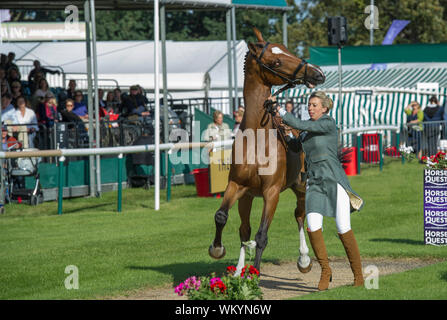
point(291, 80)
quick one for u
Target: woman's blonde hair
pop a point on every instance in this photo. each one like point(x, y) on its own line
point(415, 104)
point(325, 100)
point(216, 114)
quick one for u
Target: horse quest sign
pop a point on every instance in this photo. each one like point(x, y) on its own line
point(435, 207)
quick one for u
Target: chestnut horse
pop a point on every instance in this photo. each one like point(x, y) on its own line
point(265, 65)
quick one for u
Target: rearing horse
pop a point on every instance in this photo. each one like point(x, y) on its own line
point(265, 65)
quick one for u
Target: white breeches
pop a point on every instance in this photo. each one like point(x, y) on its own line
point(342, 217)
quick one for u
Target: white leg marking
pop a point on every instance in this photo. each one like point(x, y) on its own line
point(241, 262)
point(303, 259)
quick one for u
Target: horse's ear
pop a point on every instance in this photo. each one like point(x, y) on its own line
point(253, 49)
point(258, 34)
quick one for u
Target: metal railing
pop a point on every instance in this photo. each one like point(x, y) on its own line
point(426, 138)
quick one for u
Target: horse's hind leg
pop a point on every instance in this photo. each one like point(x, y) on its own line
point(304, 262)
point(232, 194)
point(271, 198)
point(244, 207)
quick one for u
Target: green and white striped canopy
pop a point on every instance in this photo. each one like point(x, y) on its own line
point(392, 90)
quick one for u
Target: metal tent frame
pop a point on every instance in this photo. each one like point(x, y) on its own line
point(159, 7)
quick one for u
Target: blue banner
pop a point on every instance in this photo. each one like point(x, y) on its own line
point(396, 27)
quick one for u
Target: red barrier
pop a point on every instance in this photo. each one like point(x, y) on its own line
point(201, 177)
point(370, 150)
point(350, 161)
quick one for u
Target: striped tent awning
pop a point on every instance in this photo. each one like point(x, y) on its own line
point(392, 90)
point(391, 78)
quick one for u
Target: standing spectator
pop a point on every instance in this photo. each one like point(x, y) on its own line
point(5, 87)
point(433, 114)
point(39, 69)
point(3, 60)
point(217, 130)
point(71, 90)
point(238, 115)
point(39, 95)
point(415, 117)
point(26, 117)
point(2, 73)
point(10, 61)
point(289, 107)
point(8, 113)
point(80, 108)
point(118, 99)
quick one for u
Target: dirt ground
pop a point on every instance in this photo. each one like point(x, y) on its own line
point(283, 281)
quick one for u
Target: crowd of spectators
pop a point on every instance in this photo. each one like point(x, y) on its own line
point(30, 105)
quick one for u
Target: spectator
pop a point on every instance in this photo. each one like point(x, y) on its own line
point(134, 104)
point(8, 110)
point(433, 114)
point(71, 90)
point(3, 60)
point(238, 115)
point(117, 98)
point(10, 62)
point(8, 141)
point(41, 92)
point(415, 116)
point(102, 103)
point(47, 111)
point(5, 87)
point(13, 75)
point(110, 102)
point(2, 73)
point(39, 69)
point(217, 130)
point(26, 117)
point(80, 108)
point(289, 107)
point(16, 91)
point(68, 115)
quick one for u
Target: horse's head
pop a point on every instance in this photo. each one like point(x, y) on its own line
point(280, 67)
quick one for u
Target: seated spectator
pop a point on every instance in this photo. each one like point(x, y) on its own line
point(8, 111)
point(42, 91)
point(27, 117)
point(117, 97)
point(217, 130)
point(4, 87)
point(8, 141)
point(16, 91)
point(110, 103)
point(134, 104)
point(68, 115)
point(39, 69)
point(80, 108)
point(13, 75)
point(102, 103)
point(47, 111)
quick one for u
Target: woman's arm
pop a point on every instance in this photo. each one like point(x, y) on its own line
point(322, 125)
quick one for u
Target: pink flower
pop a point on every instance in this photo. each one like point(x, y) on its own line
point(180, 289)
point(192, 283)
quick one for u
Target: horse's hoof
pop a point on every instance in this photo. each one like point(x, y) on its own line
point(304, 269)
point(217, 252)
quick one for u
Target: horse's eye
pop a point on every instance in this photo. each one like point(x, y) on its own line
point(277, 63)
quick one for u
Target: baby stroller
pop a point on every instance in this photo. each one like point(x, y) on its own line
point(18, 169)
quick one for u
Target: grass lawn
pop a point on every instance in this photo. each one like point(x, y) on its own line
point(119, 252)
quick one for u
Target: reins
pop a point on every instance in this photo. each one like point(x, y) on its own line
point(269, 105)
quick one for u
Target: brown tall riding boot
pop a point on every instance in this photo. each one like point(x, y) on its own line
point(317, 242)
point(352, 251)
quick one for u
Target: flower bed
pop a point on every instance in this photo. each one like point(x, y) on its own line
point(226, 287)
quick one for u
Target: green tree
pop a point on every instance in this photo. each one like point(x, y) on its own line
point(428, 23)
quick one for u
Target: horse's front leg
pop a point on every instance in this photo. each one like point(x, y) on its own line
point(304, 262)
point(271, 198)
point(232, 193)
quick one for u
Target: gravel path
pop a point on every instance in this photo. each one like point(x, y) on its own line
point(283, 281)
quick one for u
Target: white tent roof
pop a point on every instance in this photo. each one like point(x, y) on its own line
point(131, 62)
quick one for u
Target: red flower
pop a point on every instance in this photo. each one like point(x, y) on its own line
point(253, 270)
point(219, 285)
point(424, 158)
point(231, 269)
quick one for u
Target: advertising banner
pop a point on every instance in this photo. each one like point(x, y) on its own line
point(435, 207)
